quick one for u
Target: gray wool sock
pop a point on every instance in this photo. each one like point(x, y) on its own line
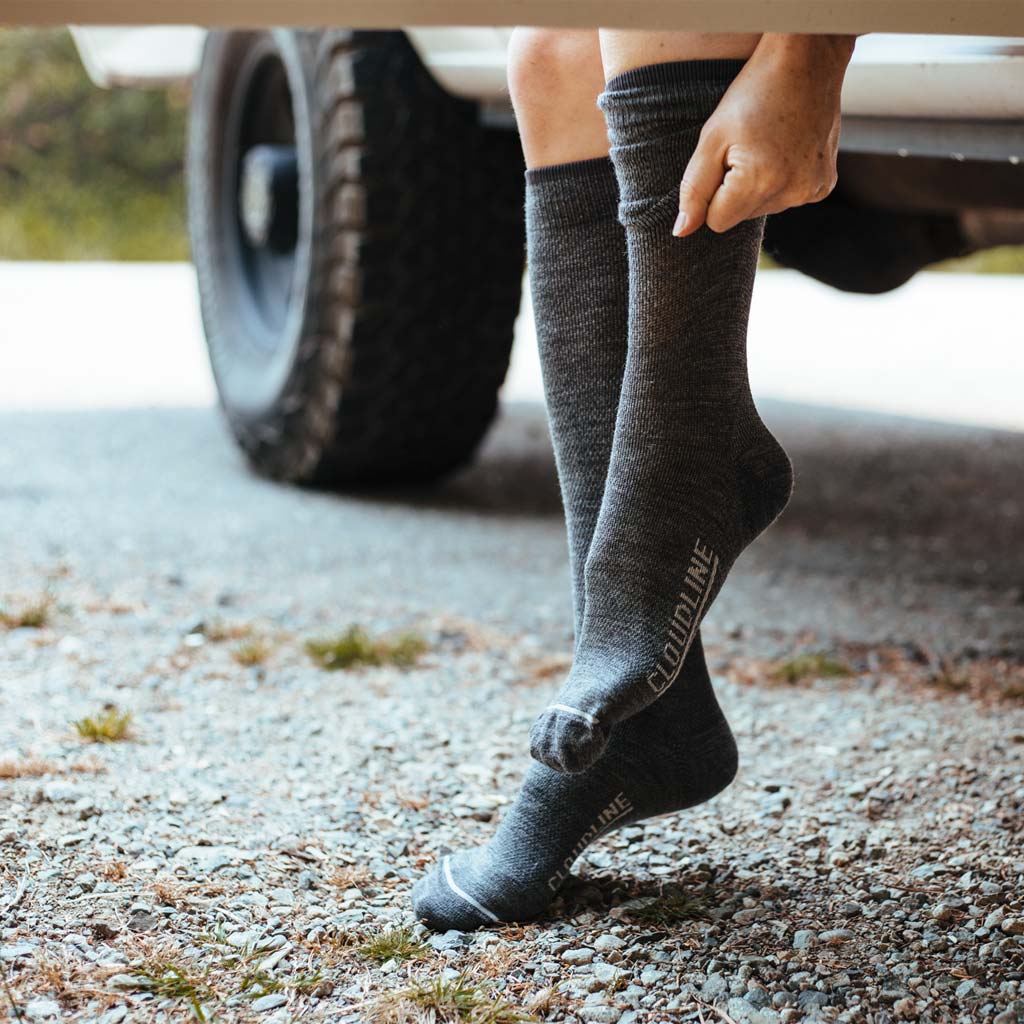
point(694, 474)
point(684, 753)
point(667, 758)
point(576, 255)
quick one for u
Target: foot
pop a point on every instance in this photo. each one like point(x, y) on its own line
point(668, 758)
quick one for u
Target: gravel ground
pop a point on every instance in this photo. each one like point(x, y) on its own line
point(245, 852)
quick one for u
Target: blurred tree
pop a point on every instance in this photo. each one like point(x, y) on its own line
point(85, 173)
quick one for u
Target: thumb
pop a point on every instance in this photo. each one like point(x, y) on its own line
point(701, 179)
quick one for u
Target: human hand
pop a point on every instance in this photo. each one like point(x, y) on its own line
point(772, 141)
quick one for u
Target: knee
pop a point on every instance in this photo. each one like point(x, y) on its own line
point(546, 66)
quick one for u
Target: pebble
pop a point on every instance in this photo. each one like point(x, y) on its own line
point(600, 1013)
point(811, 998)
point(207, 859)
point(269, 1002)
point(450, 939)
point(42, 1009)
point(580, 955)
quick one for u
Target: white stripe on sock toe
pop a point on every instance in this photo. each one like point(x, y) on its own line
point(586, 716)
point(459, 891)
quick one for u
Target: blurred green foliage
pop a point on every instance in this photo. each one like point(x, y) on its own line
point(85, 173)
point(1004, 259)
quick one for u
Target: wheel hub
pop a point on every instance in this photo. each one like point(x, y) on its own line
point(268, 197)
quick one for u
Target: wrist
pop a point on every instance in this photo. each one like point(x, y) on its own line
point(832, 51)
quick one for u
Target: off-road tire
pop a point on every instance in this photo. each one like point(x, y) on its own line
point(409, 266)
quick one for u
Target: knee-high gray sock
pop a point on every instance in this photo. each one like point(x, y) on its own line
point(667, 758)
point(694, 474)
point(681, 753)
point(579, 284)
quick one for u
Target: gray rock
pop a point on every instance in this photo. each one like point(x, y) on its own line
point(42, 1009)
point(208, 859)
point(16, 949)
point(805, 939)
point(123, 982)
point(269, 1002)
point(606, 974)
point(715, 987)
point(811, 998)
point(451, 939)
point(579, 955)
point(142, 921)
point(599, 1013)
point(758, 998)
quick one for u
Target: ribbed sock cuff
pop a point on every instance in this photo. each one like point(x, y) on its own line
point(655, 114)
point(680, 90)
point(573, 193)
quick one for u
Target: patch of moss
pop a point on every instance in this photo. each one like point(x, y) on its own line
point(815, 665)
point(355, 648)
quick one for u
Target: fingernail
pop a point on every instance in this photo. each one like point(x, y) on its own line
point(680, 224)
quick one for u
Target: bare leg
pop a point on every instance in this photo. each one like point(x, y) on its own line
point(554, 76)
point(623, 49)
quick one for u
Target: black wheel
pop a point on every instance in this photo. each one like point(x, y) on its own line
point(358, 241)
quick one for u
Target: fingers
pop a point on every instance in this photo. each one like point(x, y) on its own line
point(746, 193)
point(738, 199)
point(724, 185)
point(701, 180)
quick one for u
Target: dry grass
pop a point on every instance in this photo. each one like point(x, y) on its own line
point(34, 614)
point(220, 631)
point(991, 678)
point(109, 726)
point(547, 1001)
point(356, 648)
point(252, 652)
point(350, 878)
point(26, 768)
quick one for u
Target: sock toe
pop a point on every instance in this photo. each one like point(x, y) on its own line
point(441, 902)
point(567, 740)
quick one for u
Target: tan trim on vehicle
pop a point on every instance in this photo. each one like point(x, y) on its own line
point(966, 17)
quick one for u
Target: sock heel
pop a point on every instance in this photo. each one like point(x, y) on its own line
point(765, 481)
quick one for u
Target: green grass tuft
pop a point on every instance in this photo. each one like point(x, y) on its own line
point(109, 726)
point(393, 944)
point(355, 647)
point(452, 1001)
point(171, 982)
point(810, 666)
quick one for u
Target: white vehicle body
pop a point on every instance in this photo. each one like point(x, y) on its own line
point(918, 76)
